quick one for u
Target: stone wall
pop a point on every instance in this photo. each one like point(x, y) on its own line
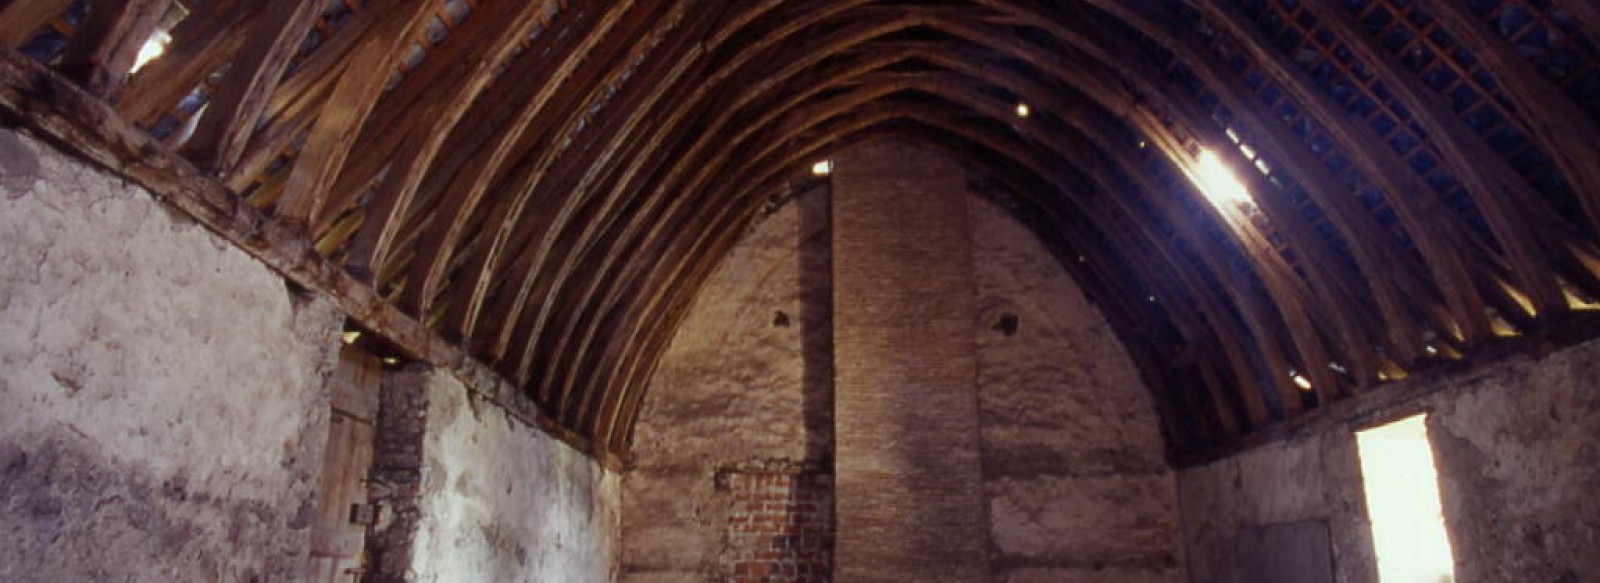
point(1074, 468)
point(163, 392)
point(745, 383)
point(167, 408)
point(1517, 445)
point(500, 501)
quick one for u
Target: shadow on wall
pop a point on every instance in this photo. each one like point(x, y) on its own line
point(816, 324)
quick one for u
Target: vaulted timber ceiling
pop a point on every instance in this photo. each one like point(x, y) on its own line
point(547, 183)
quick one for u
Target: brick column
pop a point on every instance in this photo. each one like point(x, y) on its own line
point(907, 477)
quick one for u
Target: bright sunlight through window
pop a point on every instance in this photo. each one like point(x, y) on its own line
point(152, 50)
point(1219, 183)
point(1402, 490)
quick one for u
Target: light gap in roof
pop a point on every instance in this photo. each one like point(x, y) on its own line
point(1220, 184)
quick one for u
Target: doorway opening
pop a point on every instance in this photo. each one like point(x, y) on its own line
point(1402, 490)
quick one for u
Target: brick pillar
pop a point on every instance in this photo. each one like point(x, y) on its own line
point(907, 477)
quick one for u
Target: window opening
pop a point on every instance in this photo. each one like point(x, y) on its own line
point(1402, 490)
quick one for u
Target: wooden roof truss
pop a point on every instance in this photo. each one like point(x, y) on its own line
point(536, 190)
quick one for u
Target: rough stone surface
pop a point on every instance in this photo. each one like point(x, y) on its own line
point(1517, 445)
point(163, 391)
point(395, 481)
point(1519, 456)
point(501, 501)
point(1074, 470)
point(908, 485)
point(746, 379)
point(167, 409)
point(1317, 478)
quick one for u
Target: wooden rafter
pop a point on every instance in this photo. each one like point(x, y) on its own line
point(603, 50)
point(1375, 252)
point(68, 114)
point(233, 113)
point(438, 94)
point(1567, 134)
point(1504, 196)
point(201, 44)
point(351, 100)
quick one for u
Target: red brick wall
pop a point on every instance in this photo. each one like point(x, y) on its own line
point(780, 529)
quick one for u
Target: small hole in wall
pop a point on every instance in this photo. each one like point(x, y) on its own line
point(1007, 324)
point(780, 319)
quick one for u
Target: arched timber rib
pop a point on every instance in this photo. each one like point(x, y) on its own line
point(848, 106)
point(584, 73)
point(922, 21)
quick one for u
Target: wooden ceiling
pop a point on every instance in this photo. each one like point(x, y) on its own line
point(544, 185)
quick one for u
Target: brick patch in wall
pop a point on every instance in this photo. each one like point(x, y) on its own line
point(780, 526)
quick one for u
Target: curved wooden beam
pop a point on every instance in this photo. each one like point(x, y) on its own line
point(1375, 255)
point(201, 44)
point(637, 356)
point(231, 116)
point(435, 96)
point(671, 69)
point(620, 418)
point(466, 311)
point(603, 71)
point(20, 19)
point(108, 42)
point(855, 32)
point(352, 99)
